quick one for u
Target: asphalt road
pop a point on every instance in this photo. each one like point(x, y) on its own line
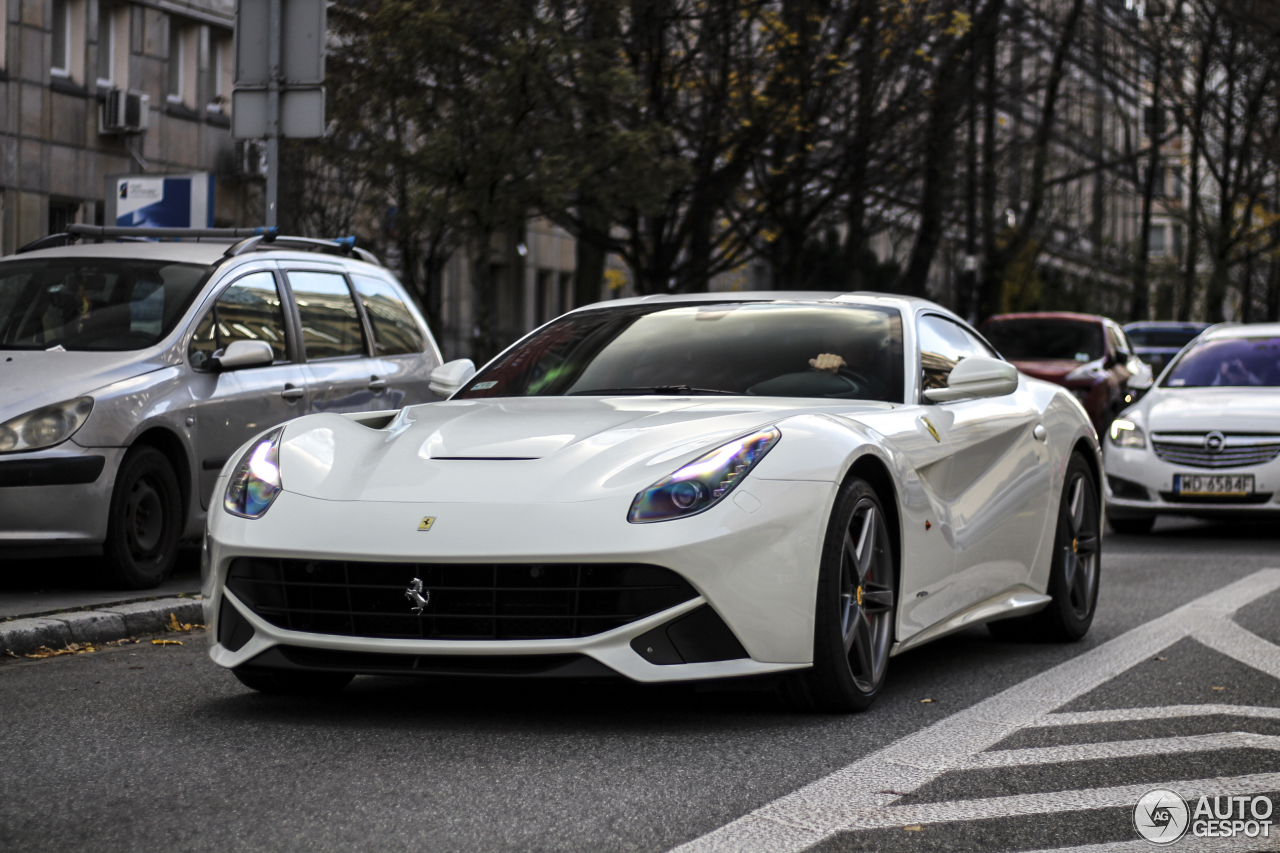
point(141, 748)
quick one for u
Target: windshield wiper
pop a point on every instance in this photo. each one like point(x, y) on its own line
point(654, 389)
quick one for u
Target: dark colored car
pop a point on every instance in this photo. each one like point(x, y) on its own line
point(1157, 343)
point(1085, 353)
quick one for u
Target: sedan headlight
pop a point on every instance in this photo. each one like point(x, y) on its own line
point(1127, 434)
point(702, 483)
point(45, 427)
point(255, 482)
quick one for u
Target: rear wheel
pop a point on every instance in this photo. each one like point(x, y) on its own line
point(853, 625)
point(144, 521)
point(285, 682)
point(1073, 577)
point(1132, 526)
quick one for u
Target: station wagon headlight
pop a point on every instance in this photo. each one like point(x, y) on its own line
point(1127, 434)
point(46, 426)
point(255, 482)
point(702, 483)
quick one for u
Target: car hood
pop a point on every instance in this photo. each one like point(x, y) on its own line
point(520, 449)
point(1050, 370)
point(32, 379)
point(1239, 410)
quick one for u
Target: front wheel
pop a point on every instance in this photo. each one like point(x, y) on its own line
point(853, 624)
point(144, 521)
point(1073, 576)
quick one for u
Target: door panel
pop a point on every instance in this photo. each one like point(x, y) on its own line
point(230, 408)
point(342, 376)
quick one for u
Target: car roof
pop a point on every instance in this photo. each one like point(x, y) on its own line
point(1243, 330)
point(912, 303)
point(1170, 325)
point(1048, 315)
point(208, 252)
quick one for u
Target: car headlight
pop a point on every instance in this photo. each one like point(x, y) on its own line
point(255, 482)
point(1127, 434)
point(45, 427)
point(705, 481)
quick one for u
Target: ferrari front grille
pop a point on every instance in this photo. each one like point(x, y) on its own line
point(1231, 451)
point(453, 601)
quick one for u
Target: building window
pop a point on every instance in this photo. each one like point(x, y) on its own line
point(1155, 241)
point(60, 57)
point(175, 61)
point(183, 56)
point(106, 45)
point(220, 71)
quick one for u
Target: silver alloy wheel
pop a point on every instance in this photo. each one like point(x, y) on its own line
point(1080, 552)
point(866, 596)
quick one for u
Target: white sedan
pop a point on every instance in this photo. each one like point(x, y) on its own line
point(1205, 441)
point(667, 489)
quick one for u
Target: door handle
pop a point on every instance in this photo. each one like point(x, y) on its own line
point(291, 392)
point(376, 384)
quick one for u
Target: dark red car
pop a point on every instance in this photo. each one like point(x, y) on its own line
point(1086, 353)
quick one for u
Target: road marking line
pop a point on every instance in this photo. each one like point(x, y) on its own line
point(1120, 749)
point(1169, 712)
point(1230, 639)
point(860, 790)
point(1057, 802)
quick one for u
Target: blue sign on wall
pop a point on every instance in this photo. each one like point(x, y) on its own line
point(170, 201)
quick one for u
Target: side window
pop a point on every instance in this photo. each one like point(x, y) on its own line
point(330, 322)
point(248, 310)
point(943, 344)
point(395, 331)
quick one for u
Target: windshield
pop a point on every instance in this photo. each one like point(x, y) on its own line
point(1047, 339)
point(93, 303)
point(756, 348)
point(1163, 338)
point(1233, 362)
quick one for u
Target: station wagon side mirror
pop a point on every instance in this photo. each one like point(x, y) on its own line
point(240, 354)
point(974, 377)
point(452, 375)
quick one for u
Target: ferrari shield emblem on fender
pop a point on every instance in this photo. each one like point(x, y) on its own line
point(416, 596)
point(426, 523)
point(932, 431)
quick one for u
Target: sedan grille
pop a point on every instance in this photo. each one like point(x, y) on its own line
point(503, 601)
point(1234, 451)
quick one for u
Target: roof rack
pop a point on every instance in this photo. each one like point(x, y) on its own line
point(249, 239)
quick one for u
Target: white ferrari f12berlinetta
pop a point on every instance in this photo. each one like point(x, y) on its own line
point(668, 488)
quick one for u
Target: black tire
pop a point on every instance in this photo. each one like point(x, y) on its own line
point(144, 521)
point(285, 682)
point(1076, 568)
point(855, 608)
point(1132, 526)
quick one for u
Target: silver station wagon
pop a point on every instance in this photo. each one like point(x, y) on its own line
point(130, 371)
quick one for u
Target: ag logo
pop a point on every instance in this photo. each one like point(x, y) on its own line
point(1161, 816)
point(426, 523)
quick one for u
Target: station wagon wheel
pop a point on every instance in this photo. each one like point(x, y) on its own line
point(1075, 570)
point(856, 606)
point(144, 522)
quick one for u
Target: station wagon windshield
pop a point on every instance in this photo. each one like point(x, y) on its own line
point(764, 349)
point(102, 304)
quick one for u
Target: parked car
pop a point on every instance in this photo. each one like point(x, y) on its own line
point(1157, 342)
point(668, 488)
point(130, 372)
point(1206, 441)
point(1085, 353)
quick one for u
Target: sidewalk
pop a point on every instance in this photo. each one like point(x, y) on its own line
point(74, 609)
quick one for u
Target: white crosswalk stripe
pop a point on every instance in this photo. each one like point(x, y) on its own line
point(1203, 845)
point(868, 793)
point(1166, 712)
point(1120, 749)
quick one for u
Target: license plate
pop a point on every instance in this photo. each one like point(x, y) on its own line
point(1217, 485)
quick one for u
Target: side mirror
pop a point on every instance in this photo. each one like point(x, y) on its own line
point(240, 354)
point(976, 376)
point(450, 376)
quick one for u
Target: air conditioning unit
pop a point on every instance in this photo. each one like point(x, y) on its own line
point(125, 112)
point(251, 158)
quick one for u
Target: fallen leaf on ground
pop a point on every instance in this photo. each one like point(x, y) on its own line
point(1160, 658)
point(1219, 688)
point(926, 701)
point(166, 642)
point(175, 625)
point(916, 828)
point(71, 649)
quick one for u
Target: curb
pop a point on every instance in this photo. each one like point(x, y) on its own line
point(21, 636)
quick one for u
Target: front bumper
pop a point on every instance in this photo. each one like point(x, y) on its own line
point(57, 500)
point(754, 562)
point(1142, 467)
